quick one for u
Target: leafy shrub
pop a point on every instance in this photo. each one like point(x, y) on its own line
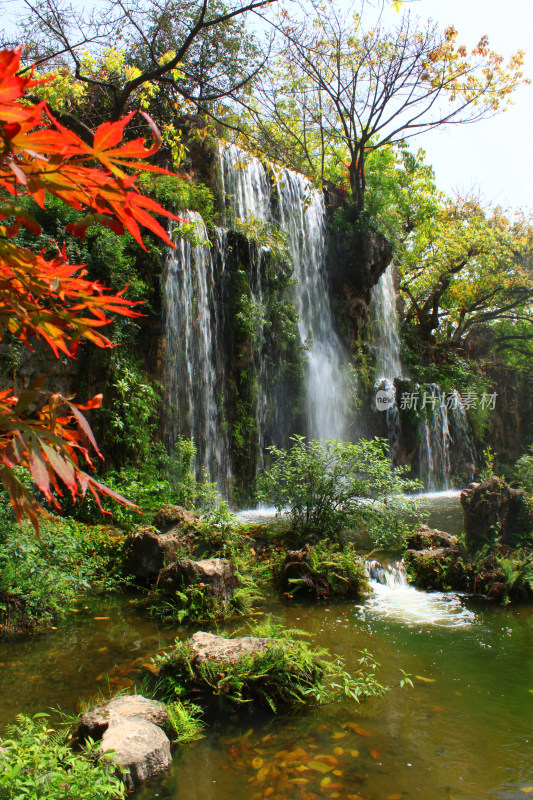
point(288, 673)
point(523, 472)
point(39, 764)
point(329, 486)
point(41, 575)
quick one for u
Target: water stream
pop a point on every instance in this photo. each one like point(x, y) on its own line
point(463, 732)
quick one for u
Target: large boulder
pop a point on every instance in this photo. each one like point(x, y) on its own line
point(129, 727)
point(496, 513)
point(147, 551)
point(425, 538)
point(215, 574)
point(169, 517)
point(97, 720)
point(141, 750)
point(206, 646)
point(437, 568)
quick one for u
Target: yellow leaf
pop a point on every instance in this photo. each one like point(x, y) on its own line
point(375, 754)
point(324, 782)
point(262, 774)
point(337, 772)
point(257, 762)
point(354, 753)
point(425, 680)
point(339, 735)
point(338, 751)
point(99, 619)
point(299, 780)
point(319, 766)
point(526, 789)
point(394, 797)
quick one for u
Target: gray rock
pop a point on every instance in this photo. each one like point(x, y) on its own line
point(147, 551)
point(216, 574)
point(141, 749)
point(95, 722)
point(171, 517)
point(210, 646)
point(496, 513)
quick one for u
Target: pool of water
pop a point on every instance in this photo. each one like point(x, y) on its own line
point(462, 732)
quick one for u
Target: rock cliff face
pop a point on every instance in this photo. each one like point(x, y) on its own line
point(511, 423)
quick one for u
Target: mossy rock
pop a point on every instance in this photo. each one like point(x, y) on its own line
point(495, 513)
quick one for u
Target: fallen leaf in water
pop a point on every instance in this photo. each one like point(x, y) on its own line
point(530, 691)
point(319, 766)
point(337, 772)
point(526, 789)
point(99, 677)
point(354, 797)
point(339, 735)
point(436, 709)
point(394, 797)
point(101, 619)
point(354, 753)
point(325, 781)
point(268, 791)
point(257, 763)
point(358, 729)
point(328, 759)
point(460, 694)
point(103, 649)
point(265, 739)
point(375, 754)
point(425, 680)
point(152, 668)
point(262, 774)
point(74, 610)
point(299, 780)
point(338, 751)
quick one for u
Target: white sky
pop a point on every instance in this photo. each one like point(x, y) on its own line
point(494, 156)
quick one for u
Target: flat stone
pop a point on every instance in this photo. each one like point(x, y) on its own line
point(216, 574)
point(96, 721)
point(210, 646)
point(142, 750)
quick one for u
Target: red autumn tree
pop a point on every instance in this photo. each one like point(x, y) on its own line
point(51, 299)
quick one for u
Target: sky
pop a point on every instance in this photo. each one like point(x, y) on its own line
point(494, 156)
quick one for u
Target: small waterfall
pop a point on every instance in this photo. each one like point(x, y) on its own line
point(391, 575)
point(303, 217)
point(191, 333)
point(395, 600)
point(435, 440)
point(385, 327)
point(446, 443)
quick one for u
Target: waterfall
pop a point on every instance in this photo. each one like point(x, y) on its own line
point(303, 218)
point(191, 334)
point(385, 327)
point(395, 600)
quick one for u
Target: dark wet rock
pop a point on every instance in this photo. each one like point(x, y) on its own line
point(425, 538)
point(97, 720)
point(437, 568)
point(130, 726)
point(141, 749)
point(494, 512)
point(210, 646)
point(169, 517)
point(214, 574)
point(147, 551)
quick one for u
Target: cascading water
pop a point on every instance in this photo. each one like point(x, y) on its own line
point(303, 218)
point(191, 331)
point(385, 327)
point(394, 599)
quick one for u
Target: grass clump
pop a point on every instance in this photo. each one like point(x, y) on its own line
point(38, 763)
point(287, 674)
